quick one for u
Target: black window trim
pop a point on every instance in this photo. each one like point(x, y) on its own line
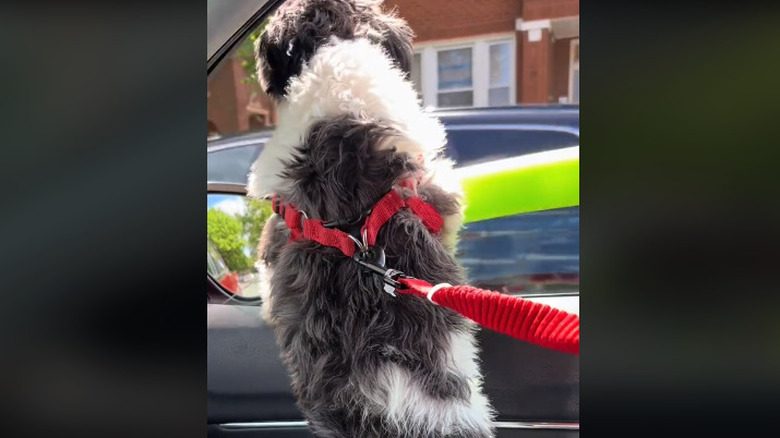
point(513, 127)
point(225, 188)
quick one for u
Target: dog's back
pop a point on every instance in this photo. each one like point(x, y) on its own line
point(363, 363)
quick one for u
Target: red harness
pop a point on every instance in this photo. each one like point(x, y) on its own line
point(529, 321)
point(301, 227)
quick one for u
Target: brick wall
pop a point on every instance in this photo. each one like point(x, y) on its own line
point(446, 19)
point(229, 97)
point(534, 69)
point(560, 73)
point(543, 9)
point(543, 70)
point(222, 109)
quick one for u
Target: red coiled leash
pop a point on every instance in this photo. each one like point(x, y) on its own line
point(511, 315)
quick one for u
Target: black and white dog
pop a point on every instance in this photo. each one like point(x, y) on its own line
point(363, 363)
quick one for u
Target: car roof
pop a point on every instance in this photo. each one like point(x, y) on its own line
point(556, 114)
point(553, 114)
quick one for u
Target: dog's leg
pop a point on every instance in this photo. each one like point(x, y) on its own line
point(419, 405)
point(429, 389)
point(391, 403)
point(272, 239)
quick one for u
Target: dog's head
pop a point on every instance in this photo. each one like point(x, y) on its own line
point(300, 27)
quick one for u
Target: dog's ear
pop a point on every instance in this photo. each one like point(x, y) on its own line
point(280, 59)
point(397, 39)
point(297, 30)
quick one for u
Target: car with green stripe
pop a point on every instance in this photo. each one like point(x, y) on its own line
point(519, 167)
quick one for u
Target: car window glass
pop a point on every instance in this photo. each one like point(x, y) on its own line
point(235, 101)
point(217, 266)
point(483, 144)
point(231, 165)
point(532, 253)
point(489, 65)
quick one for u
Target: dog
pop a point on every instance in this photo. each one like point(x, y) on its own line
point(363, 363)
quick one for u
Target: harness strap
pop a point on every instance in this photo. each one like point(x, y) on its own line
point(386, 208)
point(292, 217)
point(313, 229)
point(429, 216)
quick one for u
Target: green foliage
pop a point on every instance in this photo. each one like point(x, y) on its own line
point(226, 232)
point(233, 235)
point(257, 212)
point(246, 53)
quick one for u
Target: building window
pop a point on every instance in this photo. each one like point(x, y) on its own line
point(500, 74)
point(574, 71)
point(416, 75)
point(455, 86)
point(465, 73)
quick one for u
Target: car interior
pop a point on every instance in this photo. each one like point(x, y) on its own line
point(532, 252)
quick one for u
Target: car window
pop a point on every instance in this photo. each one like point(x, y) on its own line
point(231, 165)
point(532, 253)
point(479, 144)
point(456, 64)
point(235, 101)
point(465, 144)
point(217, 267)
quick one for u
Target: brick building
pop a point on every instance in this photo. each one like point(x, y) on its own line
point(467, 53)
point(235, 105)
point(494, 52)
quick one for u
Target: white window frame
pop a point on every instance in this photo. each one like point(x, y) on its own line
point(421, 74)
point(573, 45)
point(512, 80)
point(473, 86)
point(480, 66)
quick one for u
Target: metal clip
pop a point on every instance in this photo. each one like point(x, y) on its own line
point(360, 247)
point(389, 276)
point(365, 241)
point(304, 218)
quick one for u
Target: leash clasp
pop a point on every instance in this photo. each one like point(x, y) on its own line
point(376, 267)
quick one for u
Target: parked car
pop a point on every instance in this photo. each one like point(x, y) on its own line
point(533, 253)
point(474, 135)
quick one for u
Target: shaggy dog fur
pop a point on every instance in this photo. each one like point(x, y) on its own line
point(362, 363)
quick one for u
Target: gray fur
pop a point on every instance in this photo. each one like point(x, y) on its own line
point(337, 328)
point(335, 325)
